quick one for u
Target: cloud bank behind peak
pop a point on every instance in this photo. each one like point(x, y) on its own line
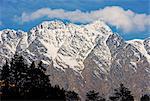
point(126, 20)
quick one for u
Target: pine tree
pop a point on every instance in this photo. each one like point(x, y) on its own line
point(5, 73)
point(19, 74)
point(94, 96)
point(37, 83)
point(10, 90)
point(39, 86)
point(72, 96)
point(57, 93)
point(145, 97)
point(122, 94)
point(28, 85)
point(18, 69)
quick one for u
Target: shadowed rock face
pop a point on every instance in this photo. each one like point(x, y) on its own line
point(82, 57)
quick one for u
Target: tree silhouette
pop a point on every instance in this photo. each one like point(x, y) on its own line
point(29, 82)
point(57, 93)
point(94, 96)
point(72, 96)
point(145, 97)
point(5, 73)
point(38, 83)
point(18, 69)
point(18, 75)
point(23, 82)
point(122, 94)
point(9, 89)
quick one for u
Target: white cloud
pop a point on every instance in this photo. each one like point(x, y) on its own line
point(126, 20)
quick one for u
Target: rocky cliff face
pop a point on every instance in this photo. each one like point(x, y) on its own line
point(82, 57)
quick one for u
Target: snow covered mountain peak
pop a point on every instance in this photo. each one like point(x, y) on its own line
point(143, 46)
point(56, 24)
point(99, 25)
point(82, 57)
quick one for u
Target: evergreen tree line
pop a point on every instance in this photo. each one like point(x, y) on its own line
point(120, 94)
point(19, 81)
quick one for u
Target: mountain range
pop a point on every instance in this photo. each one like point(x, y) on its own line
point(82, 57)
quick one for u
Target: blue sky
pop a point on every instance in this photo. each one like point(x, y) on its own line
point(130, 18)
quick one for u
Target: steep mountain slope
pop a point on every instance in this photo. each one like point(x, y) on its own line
point(82, 57)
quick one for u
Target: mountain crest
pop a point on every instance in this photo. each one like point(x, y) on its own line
point(82, 57)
